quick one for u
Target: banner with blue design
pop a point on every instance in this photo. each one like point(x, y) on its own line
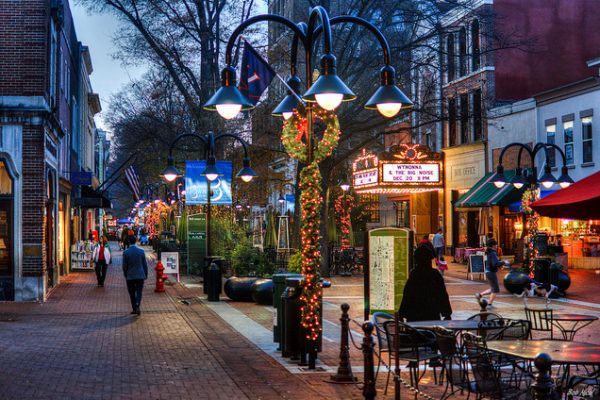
point(196, 190)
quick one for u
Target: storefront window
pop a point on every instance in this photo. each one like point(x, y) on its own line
point(568, 138)
point(403, 214)
point(370, 206)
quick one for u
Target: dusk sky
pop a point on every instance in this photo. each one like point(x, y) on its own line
point(109, 76)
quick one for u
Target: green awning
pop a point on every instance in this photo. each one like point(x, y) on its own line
point(484, 193)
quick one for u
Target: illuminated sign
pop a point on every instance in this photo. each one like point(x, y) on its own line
point(405, 168)
point(411, 172)
point(365, 178)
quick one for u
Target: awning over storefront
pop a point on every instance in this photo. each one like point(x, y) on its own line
point(485, 194)
point(518, 207)
point(91, 199)
point(581, 201)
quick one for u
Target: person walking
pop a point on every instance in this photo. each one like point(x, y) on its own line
point(101, 257)
point(135, 269)
point(438, 244)
point(124, 241)
point(425, 295)
point(491, 269)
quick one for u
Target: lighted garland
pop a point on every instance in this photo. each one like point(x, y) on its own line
point(532, 218)
point(343, 207)
point(294, 129)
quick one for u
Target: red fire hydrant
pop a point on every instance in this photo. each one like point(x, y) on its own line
point(161, 277)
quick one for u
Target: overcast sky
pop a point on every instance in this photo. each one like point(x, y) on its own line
point(96, 32)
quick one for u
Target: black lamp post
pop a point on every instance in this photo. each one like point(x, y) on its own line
point(170, 173)
point(328, 91)
point(520, 179)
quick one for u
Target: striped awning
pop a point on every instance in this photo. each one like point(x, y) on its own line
point(484, 193)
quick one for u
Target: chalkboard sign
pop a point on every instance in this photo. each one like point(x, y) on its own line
point(476, 265)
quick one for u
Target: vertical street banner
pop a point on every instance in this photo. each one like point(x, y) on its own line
point(196, 243)
point(196, 184)
point(389, 258)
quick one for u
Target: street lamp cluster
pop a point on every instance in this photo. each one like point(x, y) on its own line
point(547, 180)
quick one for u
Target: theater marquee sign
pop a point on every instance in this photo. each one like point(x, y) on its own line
point(405, 168)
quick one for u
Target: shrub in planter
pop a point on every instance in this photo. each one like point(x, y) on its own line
point(250, 261)
point(295, 263)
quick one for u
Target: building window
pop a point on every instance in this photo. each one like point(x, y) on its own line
point(475, 46)
point(462, 51)
point(452, 139)
point(370, 205)
point(551, 139)
point(450, 57)
point(586, 139)
point(477, 117)
point(464, 118)
point(403, 214)
point(568, 140)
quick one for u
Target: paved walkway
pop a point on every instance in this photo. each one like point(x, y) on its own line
point(83, 344)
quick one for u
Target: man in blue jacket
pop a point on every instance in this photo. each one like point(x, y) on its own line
point(135, 269)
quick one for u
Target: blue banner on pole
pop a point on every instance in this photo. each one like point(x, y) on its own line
point(196, 190)
point(290, 203)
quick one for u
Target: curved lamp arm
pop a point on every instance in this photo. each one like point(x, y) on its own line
point(239, 139)
point(183, 135)
point(385, 47)
point(321, 13)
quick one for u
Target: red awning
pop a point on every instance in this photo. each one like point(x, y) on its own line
point(581, 201)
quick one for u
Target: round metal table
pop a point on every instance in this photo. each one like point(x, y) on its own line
point(569, 324)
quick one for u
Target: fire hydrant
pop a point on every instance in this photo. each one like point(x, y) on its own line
point(161, 277)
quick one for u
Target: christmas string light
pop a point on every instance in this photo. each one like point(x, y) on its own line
point(529, 196)
point(343, 207)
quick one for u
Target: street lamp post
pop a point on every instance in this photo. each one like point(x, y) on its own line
point(521, 178)
point(170, 173)
point(328, 91)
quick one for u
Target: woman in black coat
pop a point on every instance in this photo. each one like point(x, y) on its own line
point(425, 296)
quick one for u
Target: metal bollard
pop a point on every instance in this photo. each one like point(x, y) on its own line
point(213, 286)
point(344, 372)
point(543, 387)
point(368, 346)
point(483, 303)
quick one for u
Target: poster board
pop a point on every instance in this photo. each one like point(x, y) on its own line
point(170, 261)
point(196, 243)
point(476, 265)
point(389, 258)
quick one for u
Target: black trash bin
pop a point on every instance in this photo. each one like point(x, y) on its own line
point(291, 330)
point(207, 262)
point(213, 283)
point(278, 288)
point(541, 270)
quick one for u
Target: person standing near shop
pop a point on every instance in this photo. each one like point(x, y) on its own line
point(135, 269)
point(101, 257)
point(438, 244)
point(491, 269)
point(124, 241)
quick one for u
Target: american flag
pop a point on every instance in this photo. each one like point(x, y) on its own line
point(133, 181)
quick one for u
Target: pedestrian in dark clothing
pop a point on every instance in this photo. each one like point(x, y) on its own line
point(135, 269)
point(124, 238)
point(491, 269)
point(425, 296)
point(101, 257)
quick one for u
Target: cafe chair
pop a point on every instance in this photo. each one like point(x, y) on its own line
point(414, 346)
point(489, 382)
point(453, 364)
point(491, 329)
point(382, 344)
point(540, 320)
point(585, 384)
point(484, 316)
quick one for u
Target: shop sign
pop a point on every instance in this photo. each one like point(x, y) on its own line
point(365, 178)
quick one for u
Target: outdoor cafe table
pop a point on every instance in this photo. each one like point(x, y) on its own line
point(453, 325)
point(570, 324)
point(561, 351)
point(461, 254)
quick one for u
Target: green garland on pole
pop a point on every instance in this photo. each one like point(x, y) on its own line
point(294, 129)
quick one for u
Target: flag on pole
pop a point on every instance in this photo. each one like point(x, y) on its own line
point(256, 74)
point(133, 181)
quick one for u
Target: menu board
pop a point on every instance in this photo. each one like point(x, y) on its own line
point(388, 265)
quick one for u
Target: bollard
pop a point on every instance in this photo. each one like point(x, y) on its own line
point(160, 277)
point(368, 345)
point(344, 372)
point(213, 286)
point(543, 387)
point(483, 303)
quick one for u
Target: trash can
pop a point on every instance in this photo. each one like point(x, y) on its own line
point(278, 288)
point(213, 281)
point(291, 330)
point(541, 270)
point(207, 262)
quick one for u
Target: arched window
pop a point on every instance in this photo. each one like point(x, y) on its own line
point(462, 51)
point(475, 45)
point(450, 57)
